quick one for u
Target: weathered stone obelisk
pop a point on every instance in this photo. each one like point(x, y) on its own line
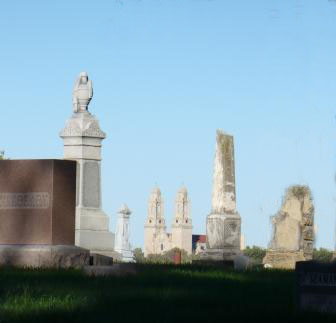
point(82, 142)
point(224, 222)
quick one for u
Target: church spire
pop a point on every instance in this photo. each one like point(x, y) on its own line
point(155, 208)
point(182, 207)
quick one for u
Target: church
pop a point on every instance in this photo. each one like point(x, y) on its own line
point(157, 240)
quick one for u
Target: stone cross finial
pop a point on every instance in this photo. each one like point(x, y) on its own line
point(82, 93)
point(125, 210)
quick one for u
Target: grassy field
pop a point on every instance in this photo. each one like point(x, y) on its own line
point(156, 294)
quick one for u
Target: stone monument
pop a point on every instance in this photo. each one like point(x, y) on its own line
point(223, 223)
point(122, 244)
point(293, 230)
point(37, 214)
point(82, 142)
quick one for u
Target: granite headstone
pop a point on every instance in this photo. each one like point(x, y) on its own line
point(37, 213)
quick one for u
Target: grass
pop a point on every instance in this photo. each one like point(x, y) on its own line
point(159, 293)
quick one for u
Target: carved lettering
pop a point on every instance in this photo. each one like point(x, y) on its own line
point(35, 200)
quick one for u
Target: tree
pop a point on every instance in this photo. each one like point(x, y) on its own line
point(139, 255)
point(2, 155)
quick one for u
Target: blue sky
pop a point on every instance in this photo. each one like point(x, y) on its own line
point(166, 75)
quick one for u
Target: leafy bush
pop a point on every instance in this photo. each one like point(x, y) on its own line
point(166, 258)
point(323, 255)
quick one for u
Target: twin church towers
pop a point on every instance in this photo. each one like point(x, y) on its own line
point(157, 240)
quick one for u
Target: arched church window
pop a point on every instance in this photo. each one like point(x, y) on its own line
point(161, 246)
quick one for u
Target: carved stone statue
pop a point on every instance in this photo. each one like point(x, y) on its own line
point(82, 93)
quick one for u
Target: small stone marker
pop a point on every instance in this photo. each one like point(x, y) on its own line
point(316, 286)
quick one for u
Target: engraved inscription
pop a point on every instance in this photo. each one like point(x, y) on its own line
point(318, 279)
point(34, 200)
point(91, 188)
point(231, 233)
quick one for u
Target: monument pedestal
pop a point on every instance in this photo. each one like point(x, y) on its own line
point(283, 259)
point(46, 256)
point(223, 237)
point(219, 254)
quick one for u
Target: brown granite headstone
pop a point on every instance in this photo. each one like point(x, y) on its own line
point(37, 202)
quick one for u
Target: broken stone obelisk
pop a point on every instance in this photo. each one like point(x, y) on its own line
point(293, 230)
point(224, 222)
point(82, 142)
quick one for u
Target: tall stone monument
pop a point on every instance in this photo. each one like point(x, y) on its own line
point(293, 230)
point(82, 142)
point(182, 223)
point(122, 243)
point(224, 222)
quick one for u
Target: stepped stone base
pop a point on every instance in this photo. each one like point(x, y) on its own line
point(44, 256)
point(108, 253)
point(95, 239)
point(220, 254)
point(283, 259)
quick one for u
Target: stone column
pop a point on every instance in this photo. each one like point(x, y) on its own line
point(122, 244)
point(82, 142)
point(223, 223)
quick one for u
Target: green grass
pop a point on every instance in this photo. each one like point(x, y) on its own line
point(156, 294)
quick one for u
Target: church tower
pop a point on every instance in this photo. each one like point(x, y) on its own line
point(182, 224)
point(155, 226)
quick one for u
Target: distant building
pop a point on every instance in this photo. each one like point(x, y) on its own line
point(198, 243)
point(157, 240)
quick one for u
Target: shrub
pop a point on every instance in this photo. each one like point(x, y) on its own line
point(256, 253)
point(323, 255)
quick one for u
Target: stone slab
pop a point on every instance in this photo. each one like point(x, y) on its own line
point(95, 240)
point(316, 286)
point(219, 254)
point(115, 270)
point(45, 256)
point(282, 259)
point(100, 260)
point(37, 201)
point(111, 254)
